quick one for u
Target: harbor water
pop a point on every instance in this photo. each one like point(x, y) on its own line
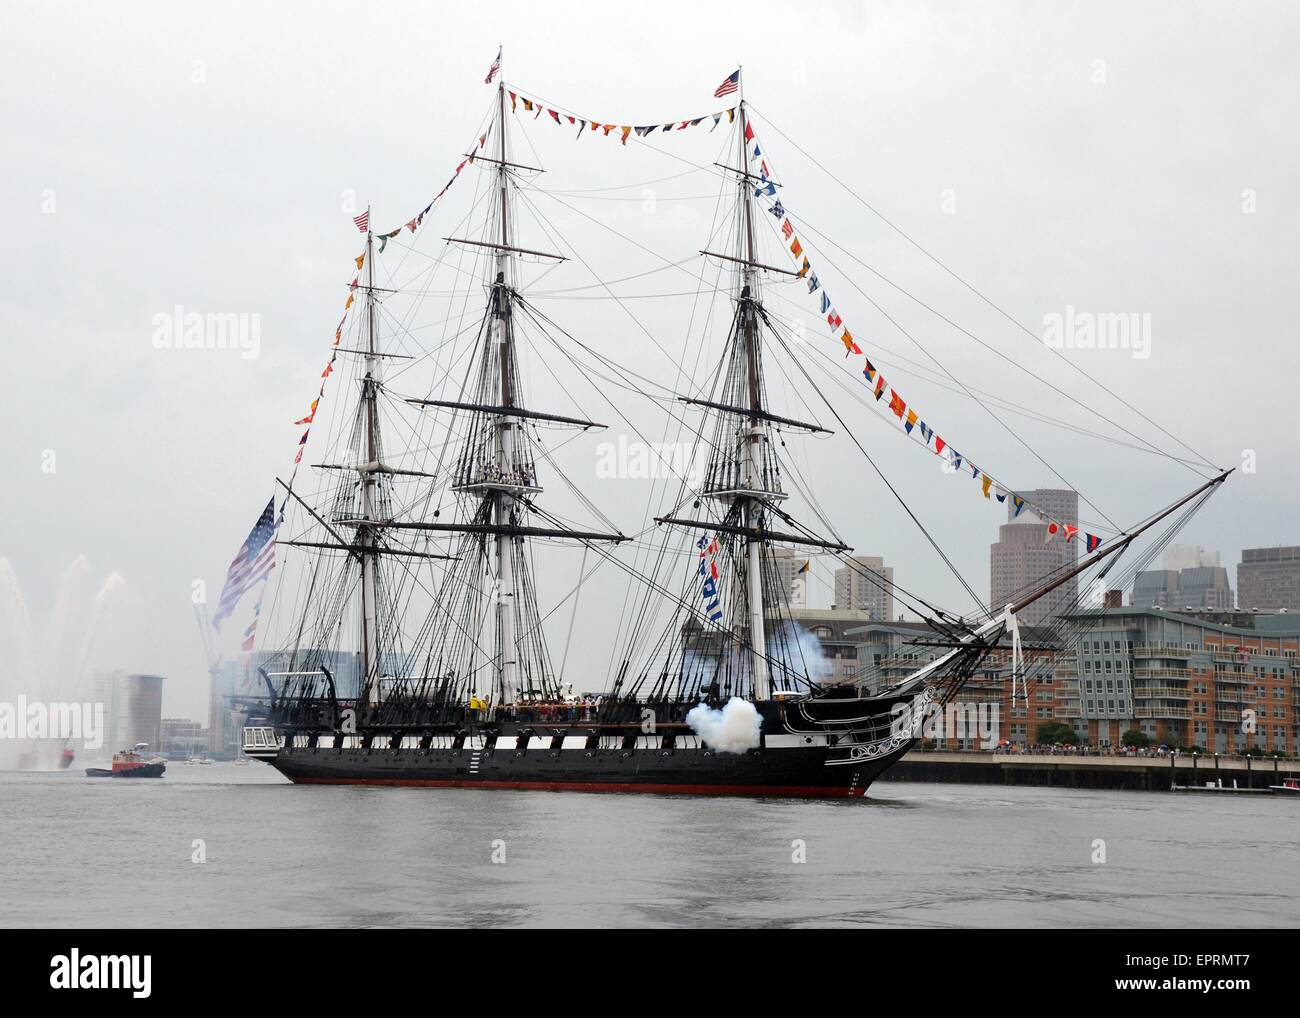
point(227, 845)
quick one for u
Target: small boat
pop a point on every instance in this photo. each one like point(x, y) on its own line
point(130, 764)
point(1291, 786)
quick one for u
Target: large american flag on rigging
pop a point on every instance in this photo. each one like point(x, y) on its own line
point(251, 566)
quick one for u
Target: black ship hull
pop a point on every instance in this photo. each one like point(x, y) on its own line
point(837, 752)
point(791, 773)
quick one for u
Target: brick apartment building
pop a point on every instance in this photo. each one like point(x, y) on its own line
point(1225, 681)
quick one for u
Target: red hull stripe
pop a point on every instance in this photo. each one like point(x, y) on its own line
point(803, 791)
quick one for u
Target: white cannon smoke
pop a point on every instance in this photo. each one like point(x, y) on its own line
point(733, 729)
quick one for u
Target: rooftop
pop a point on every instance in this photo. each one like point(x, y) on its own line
point(1235, 621)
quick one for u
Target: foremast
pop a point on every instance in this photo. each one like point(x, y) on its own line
point(503, 500)
point(755, 435)
point(744, 478)
point(367, 535)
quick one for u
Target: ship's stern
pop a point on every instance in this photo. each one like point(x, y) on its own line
point(262, 742)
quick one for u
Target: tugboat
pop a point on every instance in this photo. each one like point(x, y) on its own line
point(1291, 786)
point(130, 764)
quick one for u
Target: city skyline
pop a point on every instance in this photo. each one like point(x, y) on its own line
point(828, 600)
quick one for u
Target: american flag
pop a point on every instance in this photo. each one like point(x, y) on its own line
point(362, 221)
point(728, 86)
point(253, 564)
point(492, 71)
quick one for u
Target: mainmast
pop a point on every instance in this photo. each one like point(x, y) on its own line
point(754, 435)
point(503, 499)
point(366, 534)
point(496, 476)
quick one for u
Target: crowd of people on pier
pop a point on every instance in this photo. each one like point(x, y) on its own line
point(1056, 749)
point(1145, 752)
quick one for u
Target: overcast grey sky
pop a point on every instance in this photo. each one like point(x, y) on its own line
point(1110, 157)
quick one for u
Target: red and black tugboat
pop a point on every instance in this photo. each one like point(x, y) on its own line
point(130, 764)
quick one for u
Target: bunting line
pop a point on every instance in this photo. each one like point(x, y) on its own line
point(908, 416)
point(362, 223)
point(586, 125)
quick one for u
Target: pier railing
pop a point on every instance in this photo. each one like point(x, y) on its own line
point(1152, 772)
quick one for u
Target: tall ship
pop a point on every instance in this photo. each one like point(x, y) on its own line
point(419, 552)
